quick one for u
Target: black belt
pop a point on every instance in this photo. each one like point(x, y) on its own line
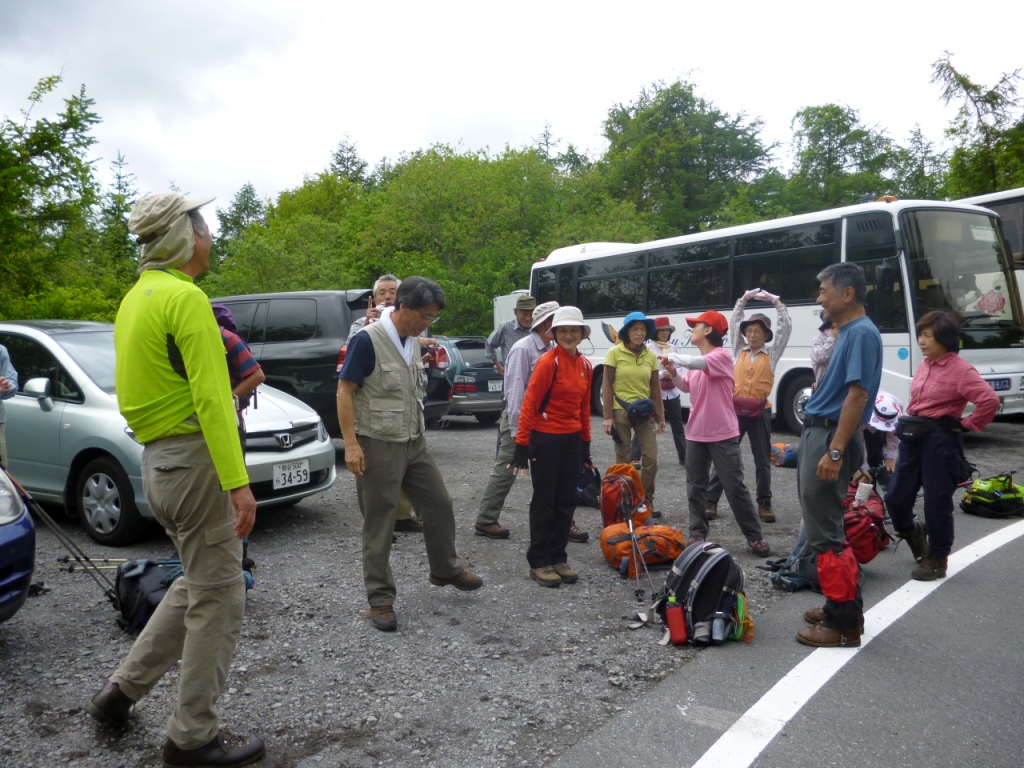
point(816, 421)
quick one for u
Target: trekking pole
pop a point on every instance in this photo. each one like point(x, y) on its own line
point(639, 591)
point(81, 558)
point(67, 559)
point(647, 573)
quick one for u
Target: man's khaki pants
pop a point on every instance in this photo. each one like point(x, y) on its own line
point(199, 619)
point(407, 467)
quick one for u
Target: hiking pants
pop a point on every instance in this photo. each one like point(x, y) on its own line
point(199, 619)
point(554, 473)
point(646, 434)
point(674, 418)
point(725, 456)
point(821, 502)
point(942, 452)
point(392, 468)
point(758, 430)
point(501, 479)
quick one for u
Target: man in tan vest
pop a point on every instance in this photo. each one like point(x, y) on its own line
point(381, 418)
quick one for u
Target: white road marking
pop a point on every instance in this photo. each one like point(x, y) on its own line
point(741, 745)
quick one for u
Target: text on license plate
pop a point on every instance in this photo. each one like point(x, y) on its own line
point(291, 473)
point(494, 385)
point(999, 385)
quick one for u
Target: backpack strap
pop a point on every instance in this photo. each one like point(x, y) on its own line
point(547, 395)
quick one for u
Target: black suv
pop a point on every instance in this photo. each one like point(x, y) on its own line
point(296, 336)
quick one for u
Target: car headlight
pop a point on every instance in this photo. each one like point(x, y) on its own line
point(321, 432)
point(11, 505)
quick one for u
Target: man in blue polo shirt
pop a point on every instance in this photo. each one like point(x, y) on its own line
point(831, 451)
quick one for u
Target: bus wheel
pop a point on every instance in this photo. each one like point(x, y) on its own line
point(794, 400)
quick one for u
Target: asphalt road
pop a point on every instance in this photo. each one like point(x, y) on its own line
point(937, 681)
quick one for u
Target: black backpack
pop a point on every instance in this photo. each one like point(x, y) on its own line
point(588, 487)
point(708, 583)
point(140, 586)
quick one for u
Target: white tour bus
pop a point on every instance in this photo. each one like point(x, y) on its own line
point(1009, 204)
point(917, 256)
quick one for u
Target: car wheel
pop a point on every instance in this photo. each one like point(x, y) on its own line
point(794, 400)
point(106, 503)
point(488, 418)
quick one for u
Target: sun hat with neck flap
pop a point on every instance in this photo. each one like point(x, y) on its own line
point(164, 230)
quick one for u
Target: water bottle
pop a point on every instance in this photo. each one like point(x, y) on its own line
point(676, 622)
point(863, 494)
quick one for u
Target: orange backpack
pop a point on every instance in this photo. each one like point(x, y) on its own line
point(659, 545)
point(622, 496)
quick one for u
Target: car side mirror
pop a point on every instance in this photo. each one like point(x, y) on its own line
point(39, 389)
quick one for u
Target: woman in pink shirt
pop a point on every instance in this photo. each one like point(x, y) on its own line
point(942, 387)
point(712, 431)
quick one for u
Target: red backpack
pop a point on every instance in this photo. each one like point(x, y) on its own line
point(622, 495)
point(864, 522)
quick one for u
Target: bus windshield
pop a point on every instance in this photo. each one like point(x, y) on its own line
point(958, 262)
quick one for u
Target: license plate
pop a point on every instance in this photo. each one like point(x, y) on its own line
point(494, 385)
point(291, 473)
point(999, 385)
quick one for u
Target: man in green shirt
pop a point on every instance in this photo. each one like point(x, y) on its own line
point(173, 389)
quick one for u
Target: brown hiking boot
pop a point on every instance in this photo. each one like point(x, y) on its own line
point(821, 636)
point(110, 706)
point(225, 749)
point(409, 525)
point(917, 539)
point(464, 580)
point(760, 548)
point(546, 576)
point(817, 615)
point(383, 618)
point(491, 530)
point(930, 568)
point(766, 513)
point(577, 534)
point(565, 573)
point(711, 512)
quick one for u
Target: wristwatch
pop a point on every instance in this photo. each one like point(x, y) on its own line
point(835, 454)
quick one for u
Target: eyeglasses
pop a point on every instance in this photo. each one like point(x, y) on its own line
point(429, 319)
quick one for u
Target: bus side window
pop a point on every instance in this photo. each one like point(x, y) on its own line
point(886, 299)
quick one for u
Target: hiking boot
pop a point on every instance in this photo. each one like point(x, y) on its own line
point(546, 576)
point(464, 580)
point(761, 548)
point(917, 540)
point(491, 530)
point(766, 513)
point(821, 636)
point(565, 573)
point(695, 539)
point(711, 512)
point(577, 534)
point(383, 618)
point(655, 512)
point(409, 525)
point(817, 615)
point(223, 750)
point(110, 706)
point(930, 568)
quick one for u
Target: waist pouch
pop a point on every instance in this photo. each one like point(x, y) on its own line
point(638, 409)
point(912, 429)
point(748, 406)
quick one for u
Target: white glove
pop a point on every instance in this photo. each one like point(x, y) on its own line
point(751, 294)
point(763, 295)
point(684, 361)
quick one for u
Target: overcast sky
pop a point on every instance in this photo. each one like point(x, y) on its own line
point(211, 95)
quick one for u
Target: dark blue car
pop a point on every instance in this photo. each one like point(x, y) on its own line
point(17, 549)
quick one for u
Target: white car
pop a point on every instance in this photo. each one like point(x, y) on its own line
point(67, 442)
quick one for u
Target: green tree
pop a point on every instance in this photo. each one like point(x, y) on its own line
point(987, 132)
point(920, 169)
point(246, 210)
point(116, 253)
point(677, 157)
point(838, 159)
point(346, 162)
point(47, 195)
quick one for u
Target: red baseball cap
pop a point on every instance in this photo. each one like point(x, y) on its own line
point(715, 319)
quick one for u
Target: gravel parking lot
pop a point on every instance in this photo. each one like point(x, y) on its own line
point(509, 675)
